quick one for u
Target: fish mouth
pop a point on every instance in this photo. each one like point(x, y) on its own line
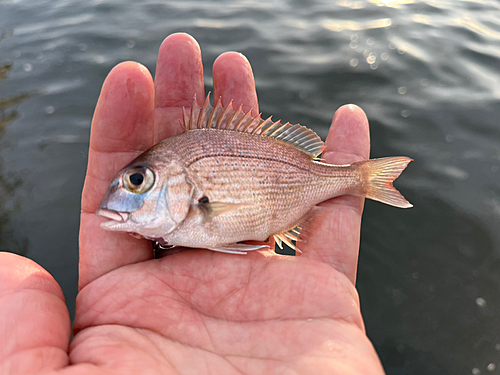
point(117, 217)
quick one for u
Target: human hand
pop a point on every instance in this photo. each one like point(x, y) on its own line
point(195, 311)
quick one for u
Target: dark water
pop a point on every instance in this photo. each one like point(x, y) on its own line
point(426, 73)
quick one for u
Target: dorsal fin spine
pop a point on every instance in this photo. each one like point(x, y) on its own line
point(228, 116)
point(266, 127)
point(236, 126)
point(230, 106)
point(199, 123)
point(247, 118)
point(256, 120)
point(231, 119)
point(204, 112)
point(192, 115)
point(185, 117)
point(259, 127)
point(220, 110)
point(212, 114)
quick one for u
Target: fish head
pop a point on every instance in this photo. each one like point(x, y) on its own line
point(139, 200)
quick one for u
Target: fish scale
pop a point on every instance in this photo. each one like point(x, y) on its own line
point(265, 172)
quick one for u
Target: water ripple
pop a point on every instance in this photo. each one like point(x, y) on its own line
point(48, 25)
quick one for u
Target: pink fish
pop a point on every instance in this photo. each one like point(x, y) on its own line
point(232, 177)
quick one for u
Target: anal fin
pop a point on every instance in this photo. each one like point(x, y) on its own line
point(287, 237)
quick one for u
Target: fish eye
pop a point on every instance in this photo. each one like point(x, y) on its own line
point(138, 179)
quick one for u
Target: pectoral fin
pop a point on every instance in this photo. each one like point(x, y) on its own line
point(214, 209)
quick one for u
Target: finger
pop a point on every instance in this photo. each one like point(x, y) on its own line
point(35, 327)
point(234, 80)
point(122, 128)
point(179, 77)
point(334, 232)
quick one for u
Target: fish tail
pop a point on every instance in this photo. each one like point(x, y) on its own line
point(377, 178)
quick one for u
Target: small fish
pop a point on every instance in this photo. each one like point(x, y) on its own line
point(232, 177)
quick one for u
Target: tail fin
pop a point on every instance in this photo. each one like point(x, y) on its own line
point(378, 176)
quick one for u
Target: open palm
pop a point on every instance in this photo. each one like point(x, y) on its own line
point(196, 311)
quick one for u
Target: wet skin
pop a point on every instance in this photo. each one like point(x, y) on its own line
point(195, 311)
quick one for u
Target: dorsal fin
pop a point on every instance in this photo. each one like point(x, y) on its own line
point(227, 118)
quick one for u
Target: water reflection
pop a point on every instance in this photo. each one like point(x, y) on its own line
point(9, 181)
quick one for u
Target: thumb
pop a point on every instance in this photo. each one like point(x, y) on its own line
point(35, 327)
